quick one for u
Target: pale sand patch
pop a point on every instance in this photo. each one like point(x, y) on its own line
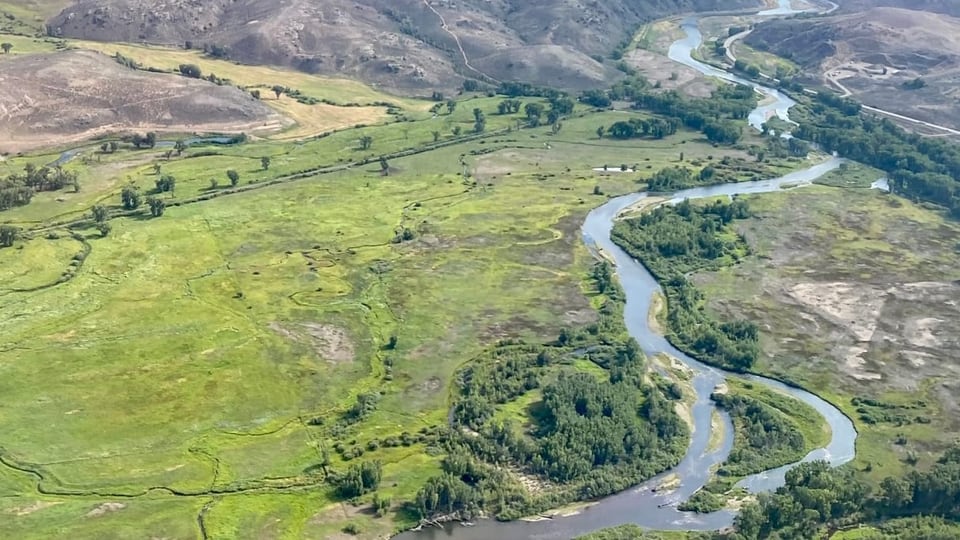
point(853, 365)
point(669, 483)
point(106, 508)
point(35, 507)
point(917, 358)
point(923, 332)
point(329, 342)
point(853, 306)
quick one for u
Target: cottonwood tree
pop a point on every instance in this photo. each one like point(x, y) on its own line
point(104, 229)
point(8, 235)
point(190, 70)
point(265, 162)
point(451, 106)
point(534, 112)
point(384, 167)
point(166, 183)
point(366, 142)
point(100, 213)
point(436, 136)
point(157, 206)
point(278, 90)
point(6, 47)
point(180, 146)
point(234, 177)
point(130, 198)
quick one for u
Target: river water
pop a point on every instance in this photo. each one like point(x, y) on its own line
point(641, 505)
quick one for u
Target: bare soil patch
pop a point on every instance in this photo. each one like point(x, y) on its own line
point(329, 342)
point(76, 95)
point(106, 508)
point(35, 507)
point(657, 68)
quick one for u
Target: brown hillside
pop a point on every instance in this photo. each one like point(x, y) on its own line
point(411, 46)
point(875, 54)
point(74, 95)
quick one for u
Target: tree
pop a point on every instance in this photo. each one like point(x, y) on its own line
point(6, 47)
point(255, 93)
point(366, 142)
point(104, 229)
point(600, 131)
point(8, 235)
point(190, 70)
point(234, 177)
point(479, 121)
point(156, 169)
point(384, 167)
point(100, 213)
point(114, 145)
point(534, 112)
point(451, 106)
point(457, 130)
point(278, 90)
point(265, 162)
point(157, 206)
point(166, 183)
point(180, 146)
point(130, 198)
point(436, 136)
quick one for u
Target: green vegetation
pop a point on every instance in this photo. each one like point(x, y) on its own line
point(919, 167)
point(816, 498)
point(771, 430)
point(672, 241)
point(632, 532)
point(283, 304)
point(851, 175)
point(589, 435)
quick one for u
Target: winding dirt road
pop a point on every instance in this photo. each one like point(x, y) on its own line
point(463, 53)
point(846, 93)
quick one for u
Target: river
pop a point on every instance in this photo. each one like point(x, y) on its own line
point(641, 505)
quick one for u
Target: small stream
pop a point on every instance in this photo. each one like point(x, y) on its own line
point(642, 505)
point(68, 155)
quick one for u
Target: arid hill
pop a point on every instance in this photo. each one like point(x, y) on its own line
point(900, 60)
point(404, 45)
point(75, 95)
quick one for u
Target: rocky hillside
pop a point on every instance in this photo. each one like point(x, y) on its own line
point(76, 95)
point(901, 60)
point(405, 45)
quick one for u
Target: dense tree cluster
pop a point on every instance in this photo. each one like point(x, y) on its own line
point(18, 189)
point(672, 241)
point(816, 497)
point(924, 168)
point(715, 117)
point(360, 478)
point(765, 437)
point(654, 128)
point(591, 435)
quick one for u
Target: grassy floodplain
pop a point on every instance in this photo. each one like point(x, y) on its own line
point(195, 365)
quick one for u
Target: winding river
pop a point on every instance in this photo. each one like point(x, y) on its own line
point(642, 505)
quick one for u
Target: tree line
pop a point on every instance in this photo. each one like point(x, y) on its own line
point(673, 241)
point(921, 168)
point(18, 189)
point(816, 498)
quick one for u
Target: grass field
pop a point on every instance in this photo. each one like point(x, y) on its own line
point(197, 365)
